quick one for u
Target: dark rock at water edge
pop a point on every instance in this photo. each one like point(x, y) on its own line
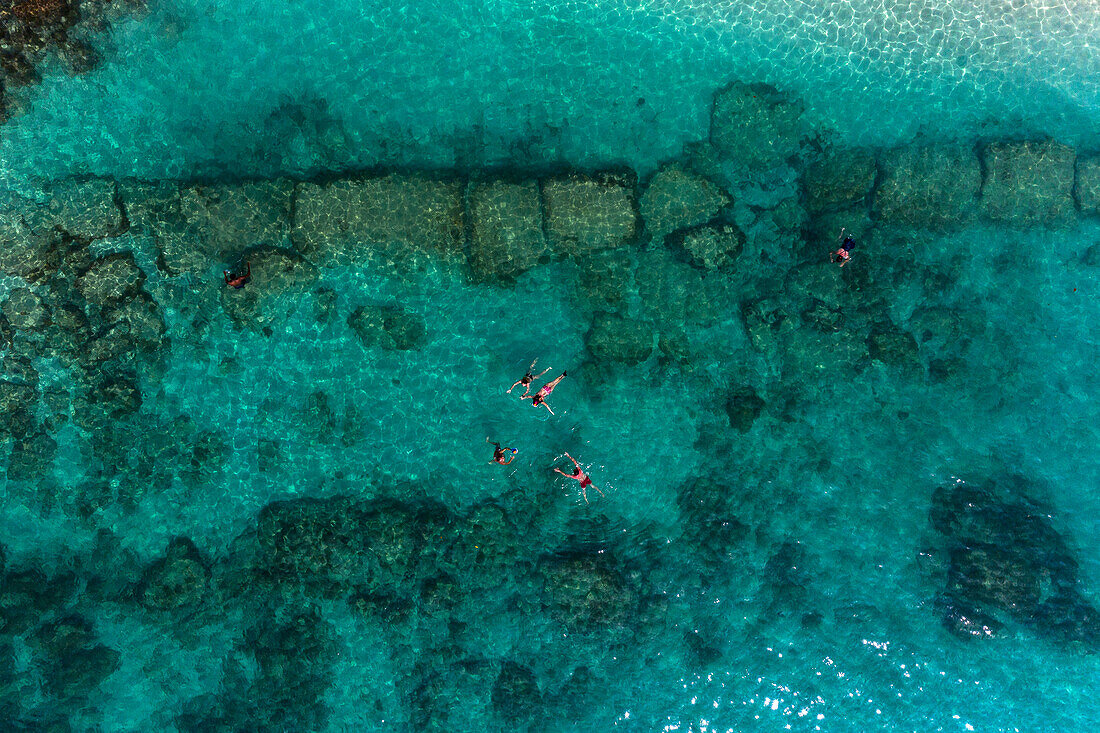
point(388, 327)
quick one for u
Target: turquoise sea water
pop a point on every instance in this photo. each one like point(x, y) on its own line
point(789, 570)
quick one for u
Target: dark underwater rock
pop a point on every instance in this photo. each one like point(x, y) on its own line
point(294, 652)
point(618, 339)
point(676, 198)
point(516, 695)
point(80, 672)
point(396, 218)
point(25, 311)
point(585, 592)
point(743, 406)
point(1008, 562)
point(388, 327)
point(756, 125)
point(31, 455)
point(712, 246)
point(928, 187)
point(892, 346)
point(708, 511)
point(968, 623)
point(842, 177)
point(176, 581)
point(1028, 183)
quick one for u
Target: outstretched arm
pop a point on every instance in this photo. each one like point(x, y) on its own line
point(248, 269)
point(563, 473)
point(573, 459)
point(547, 407)
point(225, 274)
point(518, 383)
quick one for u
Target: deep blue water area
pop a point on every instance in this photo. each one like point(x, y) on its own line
point(823, 498)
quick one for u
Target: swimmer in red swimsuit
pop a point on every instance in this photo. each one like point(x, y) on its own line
point(238, 280)
point(498, 453)
point(529, 377)
point(579, 475)
point(842, 255)
point(542, 394)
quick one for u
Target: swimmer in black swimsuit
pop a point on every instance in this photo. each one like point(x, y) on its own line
point(529, 377)
point(842, 255)
point(498, 453)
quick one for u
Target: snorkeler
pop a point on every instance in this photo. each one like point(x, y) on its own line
point(498, 453)
point(238, 280)
point(542, 394)
point(842, 255)
point(527, 379)
point(579, 475)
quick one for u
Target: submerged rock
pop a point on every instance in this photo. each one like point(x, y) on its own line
point(892, 346)
point(676, 198)
point(388, 327)
point(84, 209)
point(712, 246)
point(589, 213)
point(110, 278)
point(394, 219)
point(25, 311)
point(607, 277)
point(1008, 562)
point(842, 177)
point(1087, 188)
point(1028, 183)
point(507, 230)
point(616, 338)
point(743, 406)
point(177, 580)
point(233, 217)
point(756, 125)
point(516, 694)
point(928, 187)
point(585, 592)
point(710, 524)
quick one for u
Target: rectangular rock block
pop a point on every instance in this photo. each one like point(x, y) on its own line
point(394, 218)
point(506, 221)
point(1087, 187)
point(1028, 183)
point(928, 187)
point(589, 213)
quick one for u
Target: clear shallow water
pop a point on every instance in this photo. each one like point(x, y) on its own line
point(835, 477)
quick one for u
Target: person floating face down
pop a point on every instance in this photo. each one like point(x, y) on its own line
point(542, 394)
point(499, 453)
point(843, 255)
point(579, 475)
point(529, 377)
point(238, 279)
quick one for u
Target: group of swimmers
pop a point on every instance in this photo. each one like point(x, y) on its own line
point(504, 455)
